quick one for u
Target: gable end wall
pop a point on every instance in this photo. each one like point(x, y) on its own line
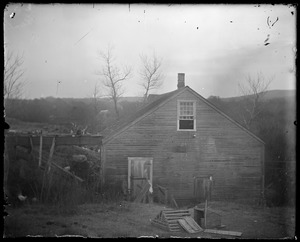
point(218, 148)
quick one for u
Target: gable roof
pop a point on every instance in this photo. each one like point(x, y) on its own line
point(153, 97)
point(126, 121)
point(159, 100)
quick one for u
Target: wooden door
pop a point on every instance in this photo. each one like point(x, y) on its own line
point(139, 171)
point(202, 188)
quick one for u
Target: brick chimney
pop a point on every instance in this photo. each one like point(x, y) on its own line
point(180, 83)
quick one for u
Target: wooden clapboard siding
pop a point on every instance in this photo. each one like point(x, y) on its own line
point(220, 148)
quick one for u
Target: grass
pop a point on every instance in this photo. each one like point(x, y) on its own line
point(125, 219)
point(90, 220)
point(15, 227)
point(72, 231)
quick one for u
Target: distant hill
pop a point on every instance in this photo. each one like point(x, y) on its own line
point(131, 99)
point(272, 94)
point(123, 99)
point(128, 99)
point(280, 94)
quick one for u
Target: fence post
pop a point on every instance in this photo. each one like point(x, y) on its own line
point(41, 150)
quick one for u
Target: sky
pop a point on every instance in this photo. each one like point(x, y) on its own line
point(217, 46)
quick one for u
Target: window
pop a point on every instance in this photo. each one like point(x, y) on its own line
point(186, 115)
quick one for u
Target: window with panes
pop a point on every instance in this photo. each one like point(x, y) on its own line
point(186, 115)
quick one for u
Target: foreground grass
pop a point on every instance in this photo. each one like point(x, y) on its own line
point(124, 219)
point(89, 220)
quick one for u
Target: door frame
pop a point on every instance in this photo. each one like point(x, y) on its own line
point(203, 179)
point(132, 159)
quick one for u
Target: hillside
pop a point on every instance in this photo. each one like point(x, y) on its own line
point(269, 95)
point(89, 100)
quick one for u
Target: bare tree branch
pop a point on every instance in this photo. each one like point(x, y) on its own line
point(13, 76)
point(253, 91)
point(96, 94)
point(150, 72)
point(113, 76)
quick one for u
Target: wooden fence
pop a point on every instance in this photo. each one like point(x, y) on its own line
point(14, 142)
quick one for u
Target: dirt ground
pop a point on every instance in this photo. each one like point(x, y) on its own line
point(127, 219)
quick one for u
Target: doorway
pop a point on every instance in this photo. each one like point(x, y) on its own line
point(140, 171)
point(202, 188)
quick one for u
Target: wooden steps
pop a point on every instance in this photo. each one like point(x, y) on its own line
point(168, 219)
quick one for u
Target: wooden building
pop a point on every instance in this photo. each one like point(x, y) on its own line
point(178, 139)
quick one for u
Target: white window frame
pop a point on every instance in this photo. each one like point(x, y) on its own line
point(178, 114)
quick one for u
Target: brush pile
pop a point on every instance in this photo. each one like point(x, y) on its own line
point(34, 176)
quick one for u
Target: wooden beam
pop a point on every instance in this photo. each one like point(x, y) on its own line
point(263, 174)
point(142, 193)
point(51, 154)
point(205, 213)
point(138, 178)
point(69, 173)
point(31, 144)
point(31, 150)
point(151, 172)
point(60, 140)
point(174, 201)
point(129, 176)
point(102, 164)
point(161, 188)
point(215, 231)
point(41, 149)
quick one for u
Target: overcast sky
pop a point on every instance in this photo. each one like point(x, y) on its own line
point(216, 46)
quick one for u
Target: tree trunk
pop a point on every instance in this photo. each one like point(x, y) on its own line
point(116, 107)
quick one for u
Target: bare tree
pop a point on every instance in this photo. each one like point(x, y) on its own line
point(96, 95)
point(13, 76)
point(253, 91)
point(150, 72)
point(113, 77)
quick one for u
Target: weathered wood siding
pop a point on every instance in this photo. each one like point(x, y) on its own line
point(219, 149)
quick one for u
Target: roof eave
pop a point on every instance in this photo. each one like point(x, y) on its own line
point(108, 138)
point(226, 116)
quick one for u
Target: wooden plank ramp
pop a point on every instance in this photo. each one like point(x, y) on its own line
point(184, 224)
point(193, 223)
point(189, 225)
